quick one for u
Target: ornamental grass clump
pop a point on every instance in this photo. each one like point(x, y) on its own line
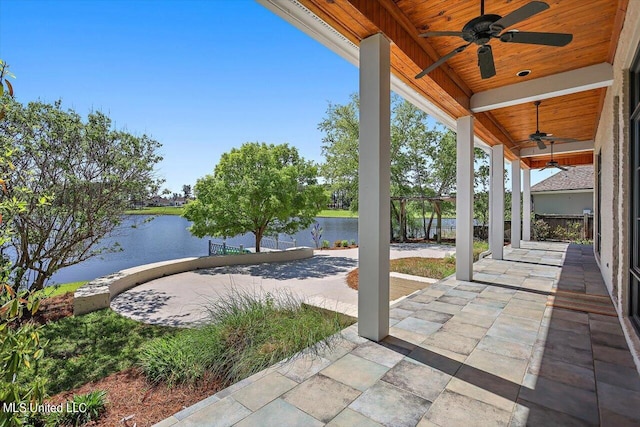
point(82, 409)
point(247, 333)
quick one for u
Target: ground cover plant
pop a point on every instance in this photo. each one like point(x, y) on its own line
point(248, 333)
point(89, 347)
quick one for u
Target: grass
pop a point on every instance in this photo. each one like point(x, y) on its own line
point(90, 347)
point(434, 268)
point(54, 291)
point(479, 246)
point(337, 213)
point(157, 210)
point(248, 333)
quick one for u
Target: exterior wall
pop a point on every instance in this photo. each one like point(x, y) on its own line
point(612, 142)
point(562, 203)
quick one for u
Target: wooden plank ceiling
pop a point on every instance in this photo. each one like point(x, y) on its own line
point(595, 25)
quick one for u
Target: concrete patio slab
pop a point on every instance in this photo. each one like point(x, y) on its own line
point(562, 367)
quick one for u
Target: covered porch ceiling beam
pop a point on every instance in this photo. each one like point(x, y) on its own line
point(566, 147)
point(441, 94)
point(582, 79)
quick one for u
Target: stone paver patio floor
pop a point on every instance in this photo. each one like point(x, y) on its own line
point(483, 353)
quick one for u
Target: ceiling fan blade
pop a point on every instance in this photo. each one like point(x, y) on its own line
point(518, 15)
point(485, 62)
point(441, 61)
point(546, 167)
point(541, 144)
point(546, 39)
point(442, 33)
point(553, 138)
point(561, 168)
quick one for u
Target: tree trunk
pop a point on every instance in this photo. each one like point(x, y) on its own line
point(38, 284)
point(430, 222)
point(258, 234)
point(439, 212)
point(396, 215)
point(403, 221)
point(424, 221)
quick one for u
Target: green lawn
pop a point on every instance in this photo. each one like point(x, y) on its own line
point(337, 213)
point(157, 210)
point(435, 268)
point(52, 291)
point(90, 347)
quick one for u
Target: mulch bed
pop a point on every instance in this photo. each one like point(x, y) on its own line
point(338, 249)
point(133, 401)
point(55, 308)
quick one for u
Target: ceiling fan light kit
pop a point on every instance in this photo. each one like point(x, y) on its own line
point(482, 29)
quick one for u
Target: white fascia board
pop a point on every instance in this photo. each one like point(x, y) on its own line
point(582, 79)
point(583, 190)
point(306, 21)
point(565, 147)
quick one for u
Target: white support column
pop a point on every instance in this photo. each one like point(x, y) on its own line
point(496, 192)
point(374, 193)
point(464, 199)
point(515, 203)
point(526, 204)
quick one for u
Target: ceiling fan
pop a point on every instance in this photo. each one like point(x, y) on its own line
point(552, 163)
point(482, 29)
point(539, 137)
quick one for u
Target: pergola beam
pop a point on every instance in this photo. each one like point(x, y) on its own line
point(582, 79)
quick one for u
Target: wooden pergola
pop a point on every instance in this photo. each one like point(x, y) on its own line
point(436, 202)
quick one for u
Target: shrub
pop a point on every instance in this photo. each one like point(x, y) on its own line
point(571, 233)
point(21, 349)
point(345, 243)
point(316, 234)
point(337, 243)
point(326, 244)
point(82, 409)
point(182, 358)
point(353, 242)
point(248, 332)
point(541, 230)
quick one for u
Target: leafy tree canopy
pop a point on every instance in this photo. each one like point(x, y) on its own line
point(75, 179)
point(258, 188)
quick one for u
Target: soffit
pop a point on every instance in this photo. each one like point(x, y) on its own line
point(595, 25)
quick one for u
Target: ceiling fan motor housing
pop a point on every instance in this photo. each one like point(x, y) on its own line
point(479, 30)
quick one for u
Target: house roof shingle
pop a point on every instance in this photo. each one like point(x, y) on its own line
point(577, 178)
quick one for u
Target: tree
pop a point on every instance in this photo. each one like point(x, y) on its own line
point(258, 188)
point(88, 174)
point(340, 149)
point(20, 345)
point(412, 142)
point(186, 190)
point(481, 187)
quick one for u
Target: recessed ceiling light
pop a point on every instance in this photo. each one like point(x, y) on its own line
point(523, 73)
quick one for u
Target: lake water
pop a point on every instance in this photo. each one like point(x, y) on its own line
point(166, 237)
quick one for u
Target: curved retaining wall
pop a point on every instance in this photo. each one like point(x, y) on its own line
point(98, 293)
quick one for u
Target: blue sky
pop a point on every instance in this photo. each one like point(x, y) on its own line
point(201, 77)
